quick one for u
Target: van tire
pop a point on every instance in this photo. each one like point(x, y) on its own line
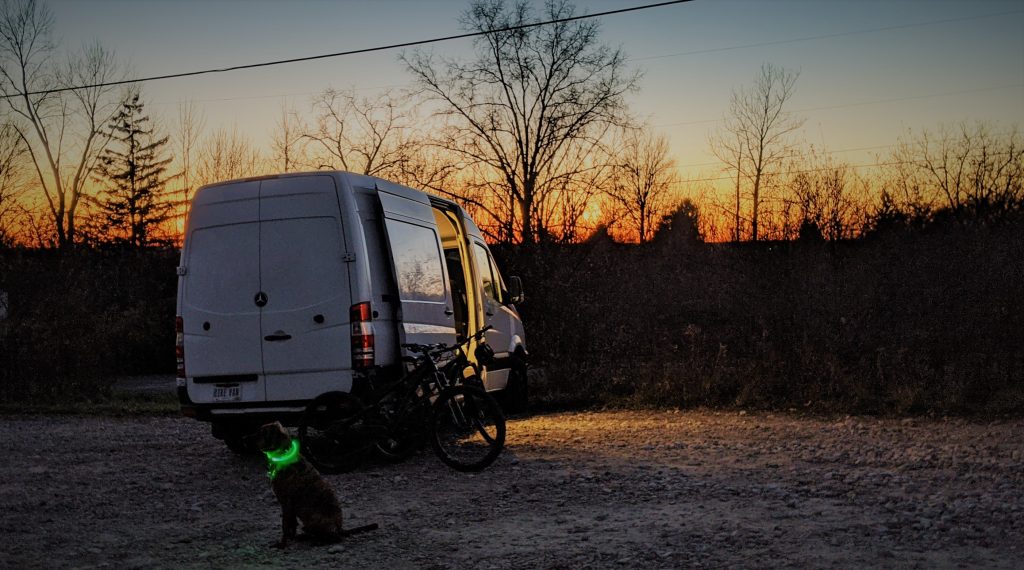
point(315, 426)
point(516, 397)
point(239, 446)
point(234, 436)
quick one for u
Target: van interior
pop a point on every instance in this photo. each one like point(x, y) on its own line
point(455, 260)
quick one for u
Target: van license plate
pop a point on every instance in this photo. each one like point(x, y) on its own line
point(227, 393)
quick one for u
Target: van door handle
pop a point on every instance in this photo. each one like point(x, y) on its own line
point(277, 336)
point(448, 311)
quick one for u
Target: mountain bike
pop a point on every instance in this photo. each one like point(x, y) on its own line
point(440, 400)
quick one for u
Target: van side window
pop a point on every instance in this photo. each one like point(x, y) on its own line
point(485, 268)
point(418, 262)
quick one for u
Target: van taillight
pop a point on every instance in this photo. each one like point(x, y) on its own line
point(362, 336)
point(179, 345)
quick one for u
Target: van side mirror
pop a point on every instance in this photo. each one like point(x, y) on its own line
point(515, 290)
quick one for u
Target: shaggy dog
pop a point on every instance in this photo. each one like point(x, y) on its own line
point(301, 491)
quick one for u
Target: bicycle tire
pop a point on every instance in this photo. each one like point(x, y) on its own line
point(328, 438)
point(467, 428)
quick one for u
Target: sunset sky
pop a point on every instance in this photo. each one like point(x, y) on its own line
point(869, 70)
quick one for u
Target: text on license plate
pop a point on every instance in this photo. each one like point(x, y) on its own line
point(227, 393)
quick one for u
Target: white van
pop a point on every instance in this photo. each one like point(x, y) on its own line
point(294, 285)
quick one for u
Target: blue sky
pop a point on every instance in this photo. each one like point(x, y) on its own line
point(869, 70)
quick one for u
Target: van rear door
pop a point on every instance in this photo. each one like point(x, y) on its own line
point(221, 264)
point(266, 292)
point(304, 273)
point(427, 313)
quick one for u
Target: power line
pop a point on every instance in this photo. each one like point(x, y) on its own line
point(355, 51)
point(826, 168)
point(827, 151)
point(791, 155)
point(644, 58)
point(828, 36)
point(864, 103)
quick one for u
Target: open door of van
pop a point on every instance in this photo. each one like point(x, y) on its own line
point(427, 312)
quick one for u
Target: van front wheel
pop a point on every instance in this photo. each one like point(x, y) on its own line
point(516, 396)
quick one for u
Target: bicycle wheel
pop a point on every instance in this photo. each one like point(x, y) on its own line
point(467, 428)
point(330, 435)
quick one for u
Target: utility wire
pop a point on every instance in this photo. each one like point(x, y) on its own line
point(828, 36)
point(355, 51)
point(828, 168)
point(865, 103)
point(643, 58)
point(829, 151)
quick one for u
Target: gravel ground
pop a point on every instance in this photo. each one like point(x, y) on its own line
point(601, 490)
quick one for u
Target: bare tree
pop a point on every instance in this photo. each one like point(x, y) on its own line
point(286, 140)
point(971, 171)
point(730, 149)
point(757, 131)
point(63, 130)
point(12, 150)
point(527, 98)
point(643, 177)
point(226, 155)
point(431, 169)
point(368, 135)
point(825, 194)
point(191, 123)
point(573, 188)
point(967, 172)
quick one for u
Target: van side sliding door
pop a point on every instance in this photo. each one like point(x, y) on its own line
point(426, 310)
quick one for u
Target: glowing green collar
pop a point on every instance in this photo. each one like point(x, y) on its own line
point(281, 459)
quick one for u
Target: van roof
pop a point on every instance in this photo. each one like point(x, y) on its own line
point(352, 176)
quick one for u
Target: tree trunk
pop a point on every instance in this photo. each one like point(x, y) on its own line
point(756, 205)
point(736, 236)
point(526, 211)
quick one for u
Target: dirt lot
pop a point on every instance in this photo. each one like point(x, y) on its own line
point(602, 490)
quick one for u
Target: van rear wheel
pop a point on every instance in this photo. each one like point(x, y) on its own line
point(234, 436)
point(330, 433)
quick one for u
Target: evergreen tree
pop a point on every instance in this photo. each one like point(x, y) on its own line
point(133, 170)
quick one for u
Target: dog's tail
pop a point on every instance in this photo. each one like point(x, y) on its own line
point(358, 529)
